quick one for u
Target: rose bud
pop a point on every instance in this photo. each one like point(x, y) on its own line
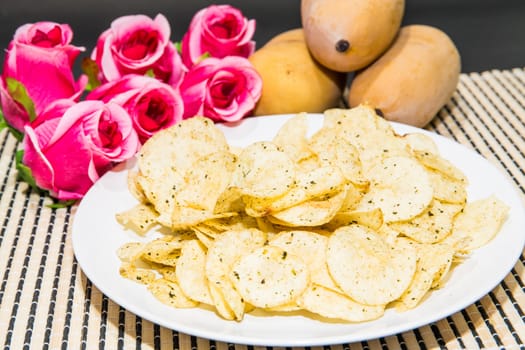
point(224, 89)
point(137, 44)
point(39, 60)
point(218, 31)
point(69, 146)
point(152, 105)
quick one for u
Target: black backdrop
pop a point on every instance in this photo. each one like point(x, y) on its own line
point(490, 34)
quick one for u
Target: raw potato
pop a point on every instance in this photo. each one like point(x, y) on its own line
point(292, 80)
point(346, 35)
point(413, 80)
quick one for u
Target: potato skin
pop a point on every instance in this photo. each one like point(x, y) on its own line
point(292, 80)
point(413, 80)
point(367, 26)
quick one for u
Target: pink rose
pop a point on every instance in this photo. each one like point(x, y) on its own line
point(40, 57)
point(224, 89)
point(138, 44)
point(218, 31)
point(69, 146)
point(152, 105)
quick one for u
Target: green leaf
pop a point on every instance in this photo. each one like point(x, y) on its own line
point(3, 122)
point(150, 73)
point(24, 172)
point(203, 57)
point(178, 46)
point(58, 204)
point(90, 68)
point(19, 93)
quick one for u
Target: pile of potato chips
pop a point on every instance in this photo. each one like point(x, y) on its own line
point(342, 223)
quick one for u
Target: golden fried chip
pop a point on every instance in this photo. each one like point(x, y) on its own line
point(264, 171)
point(190, 272)
point(372, 219)
point(130, 251)
point(322, 181)
point(222, 253)
point(420, 142)
point(337, 152)
point(311, 248)
point(366, 267)
point(291, 137)
point(329, 303)
point(480, 221)
point(161, 192)
point(269, 276)
point(400, 187)
point(140, 275)
point(140, 218)
point(178, 145)
point(170, 293)
point(314, 212)
point(162, 251)
point(205, 181)
point(134, 187)
point(431, 226)
point(433, 261)
point(372, 135)
point(437, 162)
point(447, 189)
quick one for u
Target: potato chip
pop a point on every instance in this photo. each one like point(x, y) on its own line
point(162, 251)
point(366, 267)
point(167, 272)
point(337, 152)
point(354, 195)
point(161, 193)
point(372, 135)
point(263, 170)
point(292, 138)
point(311, 248)
point(177, 146)
point(437, 162)
point(433, 261)
point(229, 201)
point(190, 271)
point(322, 181)
point(431, 226)
point(140, 275)
point(222, 253)
point(400, 187)
point(447, 189)
point(308, 164)
point(130, 251)
point(314, 212)
point(204, 182)
point(269, 276)
point(329, 303)
point(134, 187)
point(170, 293)
point(186, 217)
point(372, 219)
point(480, 221)
point(140, 218)
point(420, 142)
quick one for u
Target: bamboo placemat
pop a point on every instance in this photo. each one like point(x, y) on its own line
point(47, 303)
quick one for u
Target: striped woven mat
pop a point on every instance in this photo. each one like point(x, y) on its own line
point(47, 303)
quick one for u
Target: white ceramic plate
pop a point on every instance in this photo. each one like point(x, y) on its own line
point(96, 237)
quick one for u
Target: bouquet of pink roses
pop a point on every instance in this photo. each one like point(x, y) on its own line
point(135, 82)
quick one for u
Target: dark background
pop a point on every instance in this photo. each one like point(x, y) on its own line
point(490, 34)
